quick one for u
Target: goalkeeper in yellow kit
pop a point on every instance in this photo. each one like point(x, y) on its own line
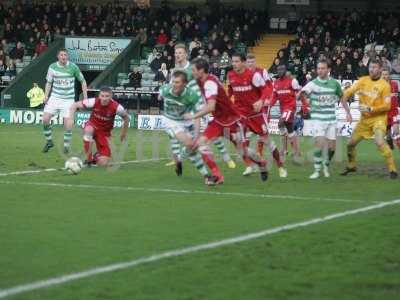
point(375, 101)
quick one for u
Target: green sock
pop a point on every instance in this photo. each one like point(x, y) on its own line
point(317, 160)
point(47, 132)
point(176, 149)
point(219, 143)
point(67, 138)
point(197, 161)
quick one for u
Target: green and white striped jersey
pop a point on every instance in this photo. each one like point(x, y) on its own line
point(62, 79)
point(175, 106)
point(323, 96)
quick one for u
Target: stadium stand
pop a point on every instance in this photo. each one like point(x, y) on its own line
point(349, 40)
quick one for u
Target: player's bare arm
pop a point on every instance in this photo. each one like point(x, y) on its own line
point(47, 90)
point(346, 107)
point(207, 109)
point(84, 90)
point(69, 122)
point(125, 125)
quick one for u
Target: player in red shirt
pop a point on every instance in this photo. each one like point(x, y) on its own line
point(268, 90)
point(393, 123)
point(226, 121)
point(285, 91)
point(250, 92)
point(101, 122)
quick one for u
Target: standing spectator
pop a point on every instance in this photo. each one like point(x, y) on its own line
point(274, 68)
point(215, 57)
point(135, 78)
point(215, 70)
point(349, 74)
point(41, 47)
point(36, 96)
point(362, 69)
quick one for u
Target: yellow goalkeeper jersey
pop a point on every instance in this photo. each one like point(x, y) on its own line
point(375, 94)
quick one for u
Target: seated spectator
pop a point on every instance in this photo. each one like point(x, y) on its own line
point(396, 65)
point(30, 46)
point(349, 74)
point(41, 47)
point(215, 57)
point(386, 63)
point(194, 52)
point(162, 38)
point(202, 54)
point(135, 78)
point(338, 69)
point(162, 75)
point(215, 69)
point(2, 68)
point(362, 70)
point(155, 65)
point(273, 68)
point(10, 69)
point(152, 56)
point(18, 52)
point(2, 55)
point(5, 46)
point(170, 47)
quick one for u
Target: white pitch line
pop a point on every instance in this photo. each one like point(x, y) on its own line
point(175, 191)
point(46, 283)
point(30, 172)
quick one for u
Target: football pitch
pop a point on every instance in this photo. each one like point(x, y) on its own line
point(137, 231)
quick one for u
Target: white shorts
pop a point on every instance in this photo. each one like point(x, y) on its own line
point(173, 127)
point(327, 130)
point(56, 105)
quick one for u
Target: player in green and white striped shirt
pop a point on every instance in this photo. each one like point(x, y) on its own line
point(323, 93)
point(60, 95)
point(182, 64)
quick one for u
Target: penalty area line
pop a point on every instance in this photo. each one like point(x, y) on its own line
point(62, 279)
point(175, 191)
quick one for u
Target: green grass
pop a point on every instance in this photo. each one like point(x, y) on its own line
point(48, 231)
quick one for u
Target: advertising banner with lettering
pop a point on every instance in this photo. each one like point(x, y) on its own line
point(34, 117)
point(293, 2)
point(94, 51)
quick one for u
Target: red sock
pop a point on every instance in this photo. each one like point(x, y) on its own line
point(210, 162)
point(277, 158)
point(87, 148)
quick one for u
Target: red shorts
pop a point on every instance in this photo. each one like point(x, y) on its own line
point(101, 139)
point(287, 115)
point(215, 130)
point(257, 124)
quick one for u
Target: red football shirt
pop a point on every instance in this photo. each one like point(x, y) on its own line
point(212, 89)
point(103, 116)
point(246, 87)
point(285, 91)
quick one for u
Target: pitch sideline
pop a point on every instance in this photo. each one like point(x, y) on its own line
point(46, 283)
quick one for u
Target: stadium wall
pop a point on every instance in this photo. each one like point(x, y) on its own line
point(15, 94)
point(120, 65)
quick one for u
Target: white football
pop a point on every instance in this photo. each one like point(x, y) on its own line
point(74, 165)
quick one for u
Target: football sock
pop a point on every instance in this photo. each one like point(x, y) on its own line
point(351, 156)
point(388, 155)
point(219, 143)
point(67, 138)
point(47, 131)
point(275, 153)
point(87, 143)
point(331, 153)
point(198, 162)
point(208, 158)
point(176, 149)
point(317, 160)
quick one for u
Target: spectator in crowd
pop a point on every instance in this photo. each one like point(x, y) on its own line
point(215, 57)
point(349, 74)
point(162, 38)
point(41, 47)
point(135, 78)
point(155, 65)
point(396, 64)
point(274, 68)
point(2, 68)
point(162, 75)
point(10, 69)
point(215, 70)
point(152, 56)
point(18, 52)
point(203, 54)
point(362, 70)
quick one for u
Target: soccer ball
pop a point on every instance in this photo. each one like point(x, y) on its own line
point(74, 165)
